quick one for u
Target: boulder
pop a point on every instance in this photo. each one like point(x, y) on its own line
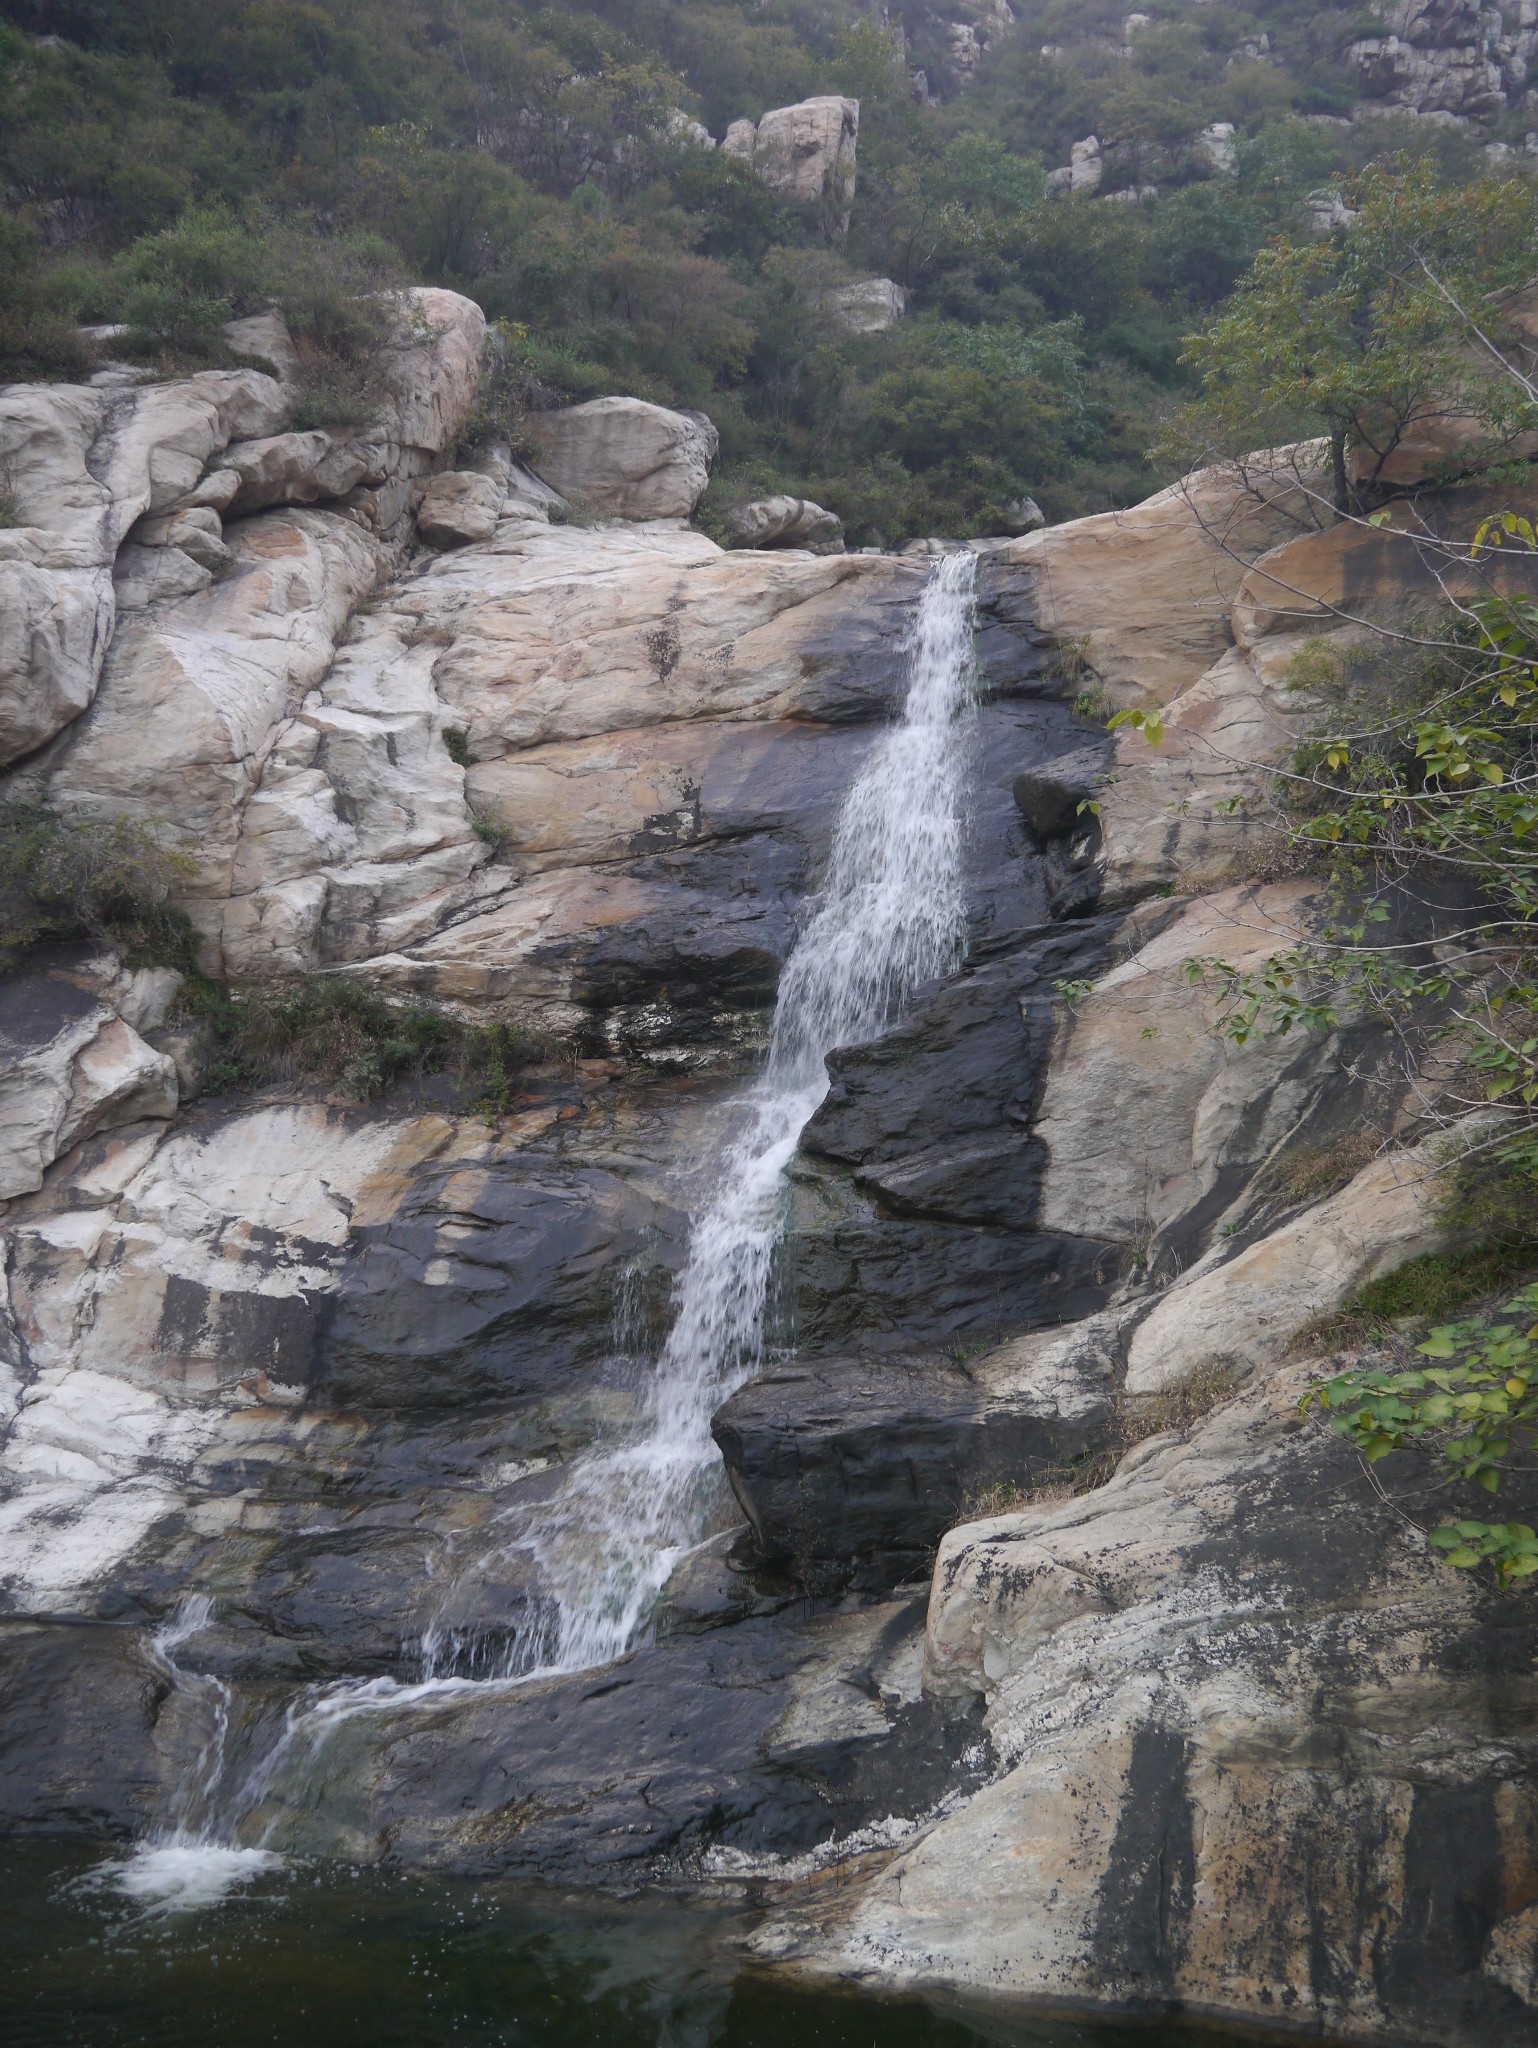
point(1086, 168)
point(292, 469)
point(806, 151)
point(265, 336)
point(197, 530)
point(683, 128)
point(1023, 515)
point(54, 627)
point(197, 689)
point(152, 575)
point(869, 307)
point(423, 376)
point(783, 522)
point(625, 458)
point(1219, 145)
point(460, 506)
point(1142, 596)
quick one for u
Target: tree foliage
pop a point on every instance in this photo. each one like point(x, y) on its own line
point(1474, 1401)
point(1368, 335)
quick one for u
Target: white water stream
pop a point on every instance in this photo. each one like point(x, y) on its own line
point(889, 916)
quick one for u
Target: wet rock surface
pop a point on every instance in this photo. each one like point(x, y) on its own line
point(855, 1468)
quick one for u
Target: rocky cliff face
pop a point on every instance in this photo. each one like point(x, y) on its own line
point(306, 1360)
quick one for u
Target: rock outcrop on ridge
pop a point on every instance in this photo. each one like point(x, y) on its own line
point(1218, 1733)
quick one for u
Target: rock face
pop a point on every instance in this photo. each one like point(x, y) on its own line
point(1209, 1682)
point(806, 152)
point(1446, 57)
point(75, 1065)
point(625, 459)
point(159, 465)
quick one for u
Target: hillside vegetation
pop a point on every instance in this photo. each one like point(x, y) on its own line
point(170, 162)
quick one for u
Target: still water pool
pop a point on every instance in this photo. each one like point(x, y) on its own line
point(324, 1958)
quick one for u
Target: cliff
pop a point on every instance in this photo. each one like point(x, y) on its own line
point(1218, 1732)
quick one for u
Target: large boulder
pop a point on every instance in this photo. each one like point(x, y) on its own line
point(460, 506)
point(1139, 600)
point(784, 522)
point(806, 151)
point(869, 307)
point(624, 458)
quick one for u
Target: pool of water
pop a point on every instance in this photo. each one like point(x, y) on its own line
point(319, 1957)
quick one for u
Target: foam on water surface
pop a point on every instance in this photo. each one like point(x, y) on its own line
point(181, 1877)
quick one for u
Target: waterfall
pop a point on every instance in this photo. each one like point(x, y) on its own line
point(889, 916)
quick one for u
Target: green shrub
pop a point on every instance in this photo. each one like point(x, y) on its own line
point(1473, 1398)
point(110, 881)
point(38, 335)
point(180, 285)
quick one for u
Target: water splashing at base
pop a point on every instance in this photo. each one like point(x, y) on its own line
point(186, 1863)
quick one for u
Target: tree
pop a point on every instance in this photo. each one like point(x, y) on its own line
point(1368, 335)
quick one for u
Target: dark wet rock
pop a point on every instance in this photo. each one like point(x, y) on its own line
point(866, 1282)
point(865, 1463)
point(1014, 653)
point(487, 1291)
point(78, 1707)
point(916, 1193)
point(962, 1073)
point(702, 1754)
point(1052, 796)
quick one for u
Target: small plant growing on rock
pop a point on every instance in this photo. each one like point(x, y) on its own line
point(107, 880)
point(323, 1031)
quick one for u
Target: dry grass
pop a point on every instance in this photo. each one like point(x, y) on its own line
point(1134, 1419)
point(1308, 1173)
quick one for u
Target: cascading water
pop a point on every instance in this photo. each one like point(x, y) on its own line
point(889, 916)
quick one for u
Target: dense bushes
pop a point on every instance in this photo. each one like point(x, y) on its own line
point(170, 163)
